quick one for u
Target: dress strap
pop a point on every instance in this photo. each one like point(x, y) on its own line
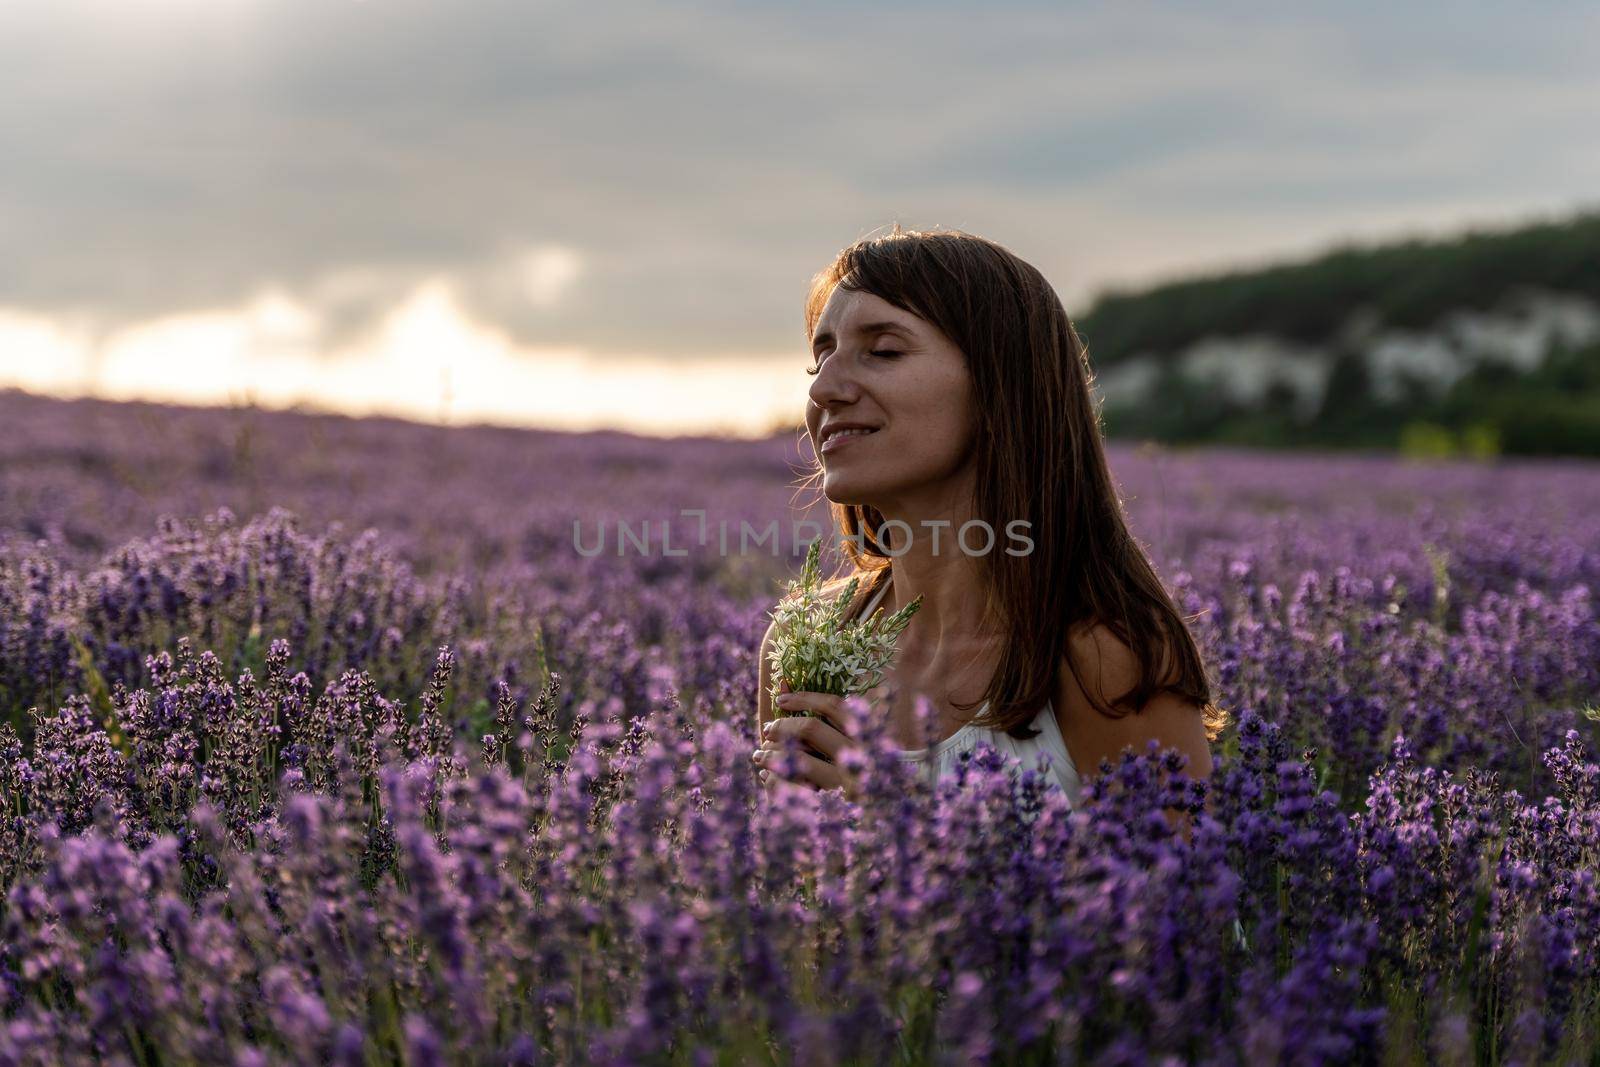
point(874, 601)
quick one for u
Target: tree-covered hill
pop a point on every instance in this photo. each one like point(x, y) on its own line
point(1485, 342)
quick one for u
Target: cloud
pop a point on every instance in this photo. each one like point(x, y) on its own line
point(545, 275)
point(646, 181)
point(425, 360)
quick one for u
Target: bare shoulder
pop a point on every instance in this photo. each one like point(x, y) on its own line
point(1106, 662)
point(1109, 668)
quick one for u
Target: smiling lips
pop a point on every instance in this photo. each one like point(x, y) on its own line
point(838, 438)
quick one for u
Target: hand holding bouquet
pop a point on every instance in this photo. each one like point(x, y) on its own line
point(818, 658)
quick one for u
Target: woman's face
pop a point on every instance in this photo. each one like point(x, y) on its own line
point(887, 369)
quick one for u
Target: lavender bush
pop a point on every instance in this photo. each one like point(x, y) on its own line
point(386, 771)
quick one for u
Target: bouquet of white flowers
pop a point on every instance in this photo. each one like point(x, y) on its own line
point(815, 651)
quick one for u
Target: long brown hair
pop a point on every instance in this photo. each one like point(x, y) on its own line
point(1040, 456)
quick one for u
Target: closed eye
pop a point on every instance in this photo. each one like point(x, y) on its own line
point(882, 353)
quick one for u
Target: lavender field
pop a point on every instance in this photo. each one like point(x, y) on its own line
point(323, 742)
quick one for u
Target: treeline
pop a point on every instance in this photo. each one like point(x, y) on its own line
point(1410, 285)
point(1554, 411)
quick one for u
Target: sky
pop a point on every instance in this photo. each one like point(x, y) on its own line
point(578, 215)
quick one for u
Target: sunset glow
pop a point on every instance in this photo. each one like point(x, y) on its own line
point(428, 361)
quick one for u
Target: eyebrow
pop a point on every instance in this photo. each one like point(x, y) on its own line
point(867, 328)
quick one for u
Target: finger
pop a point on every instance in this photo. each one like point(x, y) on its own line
point(770, 780)
point(815, 733)
point(767, 752)
point(826, 778)
point(801, 768)
point(852, 713)
point(825, 705)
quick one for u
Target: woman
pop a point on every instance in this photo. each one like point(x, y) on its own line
point(951, 399)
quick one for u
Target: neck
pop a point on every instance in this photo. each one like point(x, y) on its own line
point(950, 623)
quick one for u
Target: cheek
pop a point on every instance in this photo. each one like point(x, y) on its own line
point(941, 433)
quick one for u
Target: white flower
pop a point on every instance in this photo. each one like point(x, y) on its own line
point(816, 652)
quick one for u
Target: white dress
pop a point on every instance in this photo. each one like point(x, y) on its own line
point(1062, 772)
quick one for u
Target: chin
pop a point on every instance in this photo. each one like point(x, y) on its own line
point(842, 491)
point(848, 487)
point(866, 488)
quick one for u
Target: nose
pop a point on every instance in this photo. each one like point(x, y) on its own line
point(833, 384)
